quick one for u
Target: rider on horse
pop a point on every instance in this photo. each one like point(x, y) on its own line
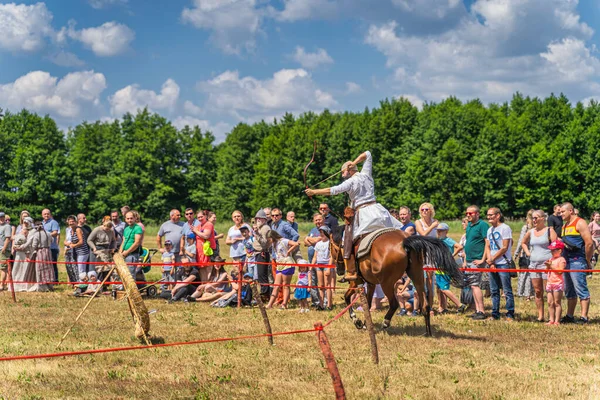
point(364, 215)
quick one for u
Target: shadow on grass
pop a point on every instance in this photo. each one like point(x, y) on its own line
point(419, 330)
point(157, 340)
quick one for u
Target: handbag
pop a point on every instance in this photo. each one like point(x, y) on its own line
point(510, 262)
point(524, 261)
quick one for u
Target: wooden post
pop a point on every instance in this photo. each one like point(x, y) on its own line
point(239, 291)
point(10, 281)
point(369, 321)
point(338, 386)
point(263, 311)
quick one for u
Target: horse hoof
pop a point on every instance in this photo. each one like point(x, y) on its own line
point(386, 324)
point(359, 324)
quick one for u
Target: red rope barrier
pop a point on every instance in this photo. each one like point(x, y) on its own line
point(176, 282)
point(194, 264)
point(115, 349)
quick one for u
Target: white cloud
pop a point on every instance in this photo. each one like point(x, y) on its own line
point(39, 91)
point(99, 4)
point(430, 8)
point(353, 88)
point(502, 47)
point(65, 59)
point(23, 27)
point(414, 100)
point(234, 24)
point(312, 60)
point(131, 98)
point(572, 59)
point(191, 108)
point(108, 39)
point(417, 14)
point(289, 90)
point(295, 10)
point(219, 130)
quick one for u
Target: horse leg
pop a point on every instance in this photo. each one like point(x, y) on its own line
point(415, 273)
point(390, 291)
point(348, 298)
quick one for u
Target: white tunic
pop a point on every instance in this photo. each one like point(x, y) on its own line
point(361, 189)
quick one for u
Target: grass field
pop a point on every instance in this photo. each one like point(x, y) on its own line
point(464, 360)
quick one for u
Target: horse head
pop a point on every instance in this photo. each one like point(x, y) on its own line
point(336, 246)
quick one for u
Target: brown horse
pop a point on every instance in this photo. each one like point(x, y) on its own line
point(392, 254)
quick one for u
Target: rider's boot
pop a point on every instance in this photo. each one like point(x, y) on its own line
point(350, 268)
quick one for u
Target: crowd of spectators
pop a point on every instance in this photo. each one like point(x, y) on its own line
point(190, 254)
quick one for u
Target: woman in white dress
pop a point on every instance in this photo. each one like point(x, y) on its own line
point(23, 271)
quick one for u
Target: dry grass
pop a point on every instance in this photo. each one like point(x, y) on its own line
point(465, 359)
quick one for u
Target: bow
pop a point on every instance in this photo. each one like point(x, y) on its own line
point(308, 165)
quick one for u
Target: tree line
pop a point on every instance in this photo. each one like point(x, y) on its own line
point(522, 154)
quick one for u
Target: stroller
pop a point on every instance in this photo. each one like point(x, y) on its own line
point(145, 259)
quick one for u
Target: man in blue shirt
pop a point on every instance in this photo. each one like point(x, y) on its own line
point(52, 227)
point(283, 227)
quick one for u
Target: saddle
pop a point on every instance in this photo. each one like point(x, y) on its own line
point(363, 246)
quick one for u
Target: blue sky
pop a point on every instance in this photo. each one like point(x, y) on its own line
point(214, 63)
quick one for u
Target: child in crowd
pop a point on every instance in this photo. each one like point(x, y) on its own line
point(248, 242)
point(88, 288)
point(555, 284)
point(405, 294)
point(442, 280)
point(301, 293)
point(168, 259)
point(325, 275)
point(190, 249)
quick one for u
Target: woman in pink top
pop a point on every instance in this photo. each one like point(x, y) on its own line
point(555, 284)
point(204, 232)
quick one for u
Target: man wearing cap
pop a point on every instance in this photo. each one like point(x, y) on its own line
point(579, 249)
point(5, 234)
point(172, 230)
point(261, 249)
point(52, 227)
point(368, 215)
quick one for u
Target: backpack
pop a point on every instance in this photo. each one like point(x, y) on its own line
point(246, 295)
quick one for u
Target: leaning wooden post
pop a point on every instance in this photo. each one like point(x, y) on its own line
point(239, 291)
point(263, 311)
point(338, 386)
point(10, 281)
point(369, 321)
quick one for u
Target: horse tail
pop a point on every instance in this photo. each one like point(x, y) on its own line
point(432, 251)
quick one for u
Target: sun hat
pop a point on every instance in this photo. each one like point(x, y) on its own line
point(325, 229)
point(261, 214)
